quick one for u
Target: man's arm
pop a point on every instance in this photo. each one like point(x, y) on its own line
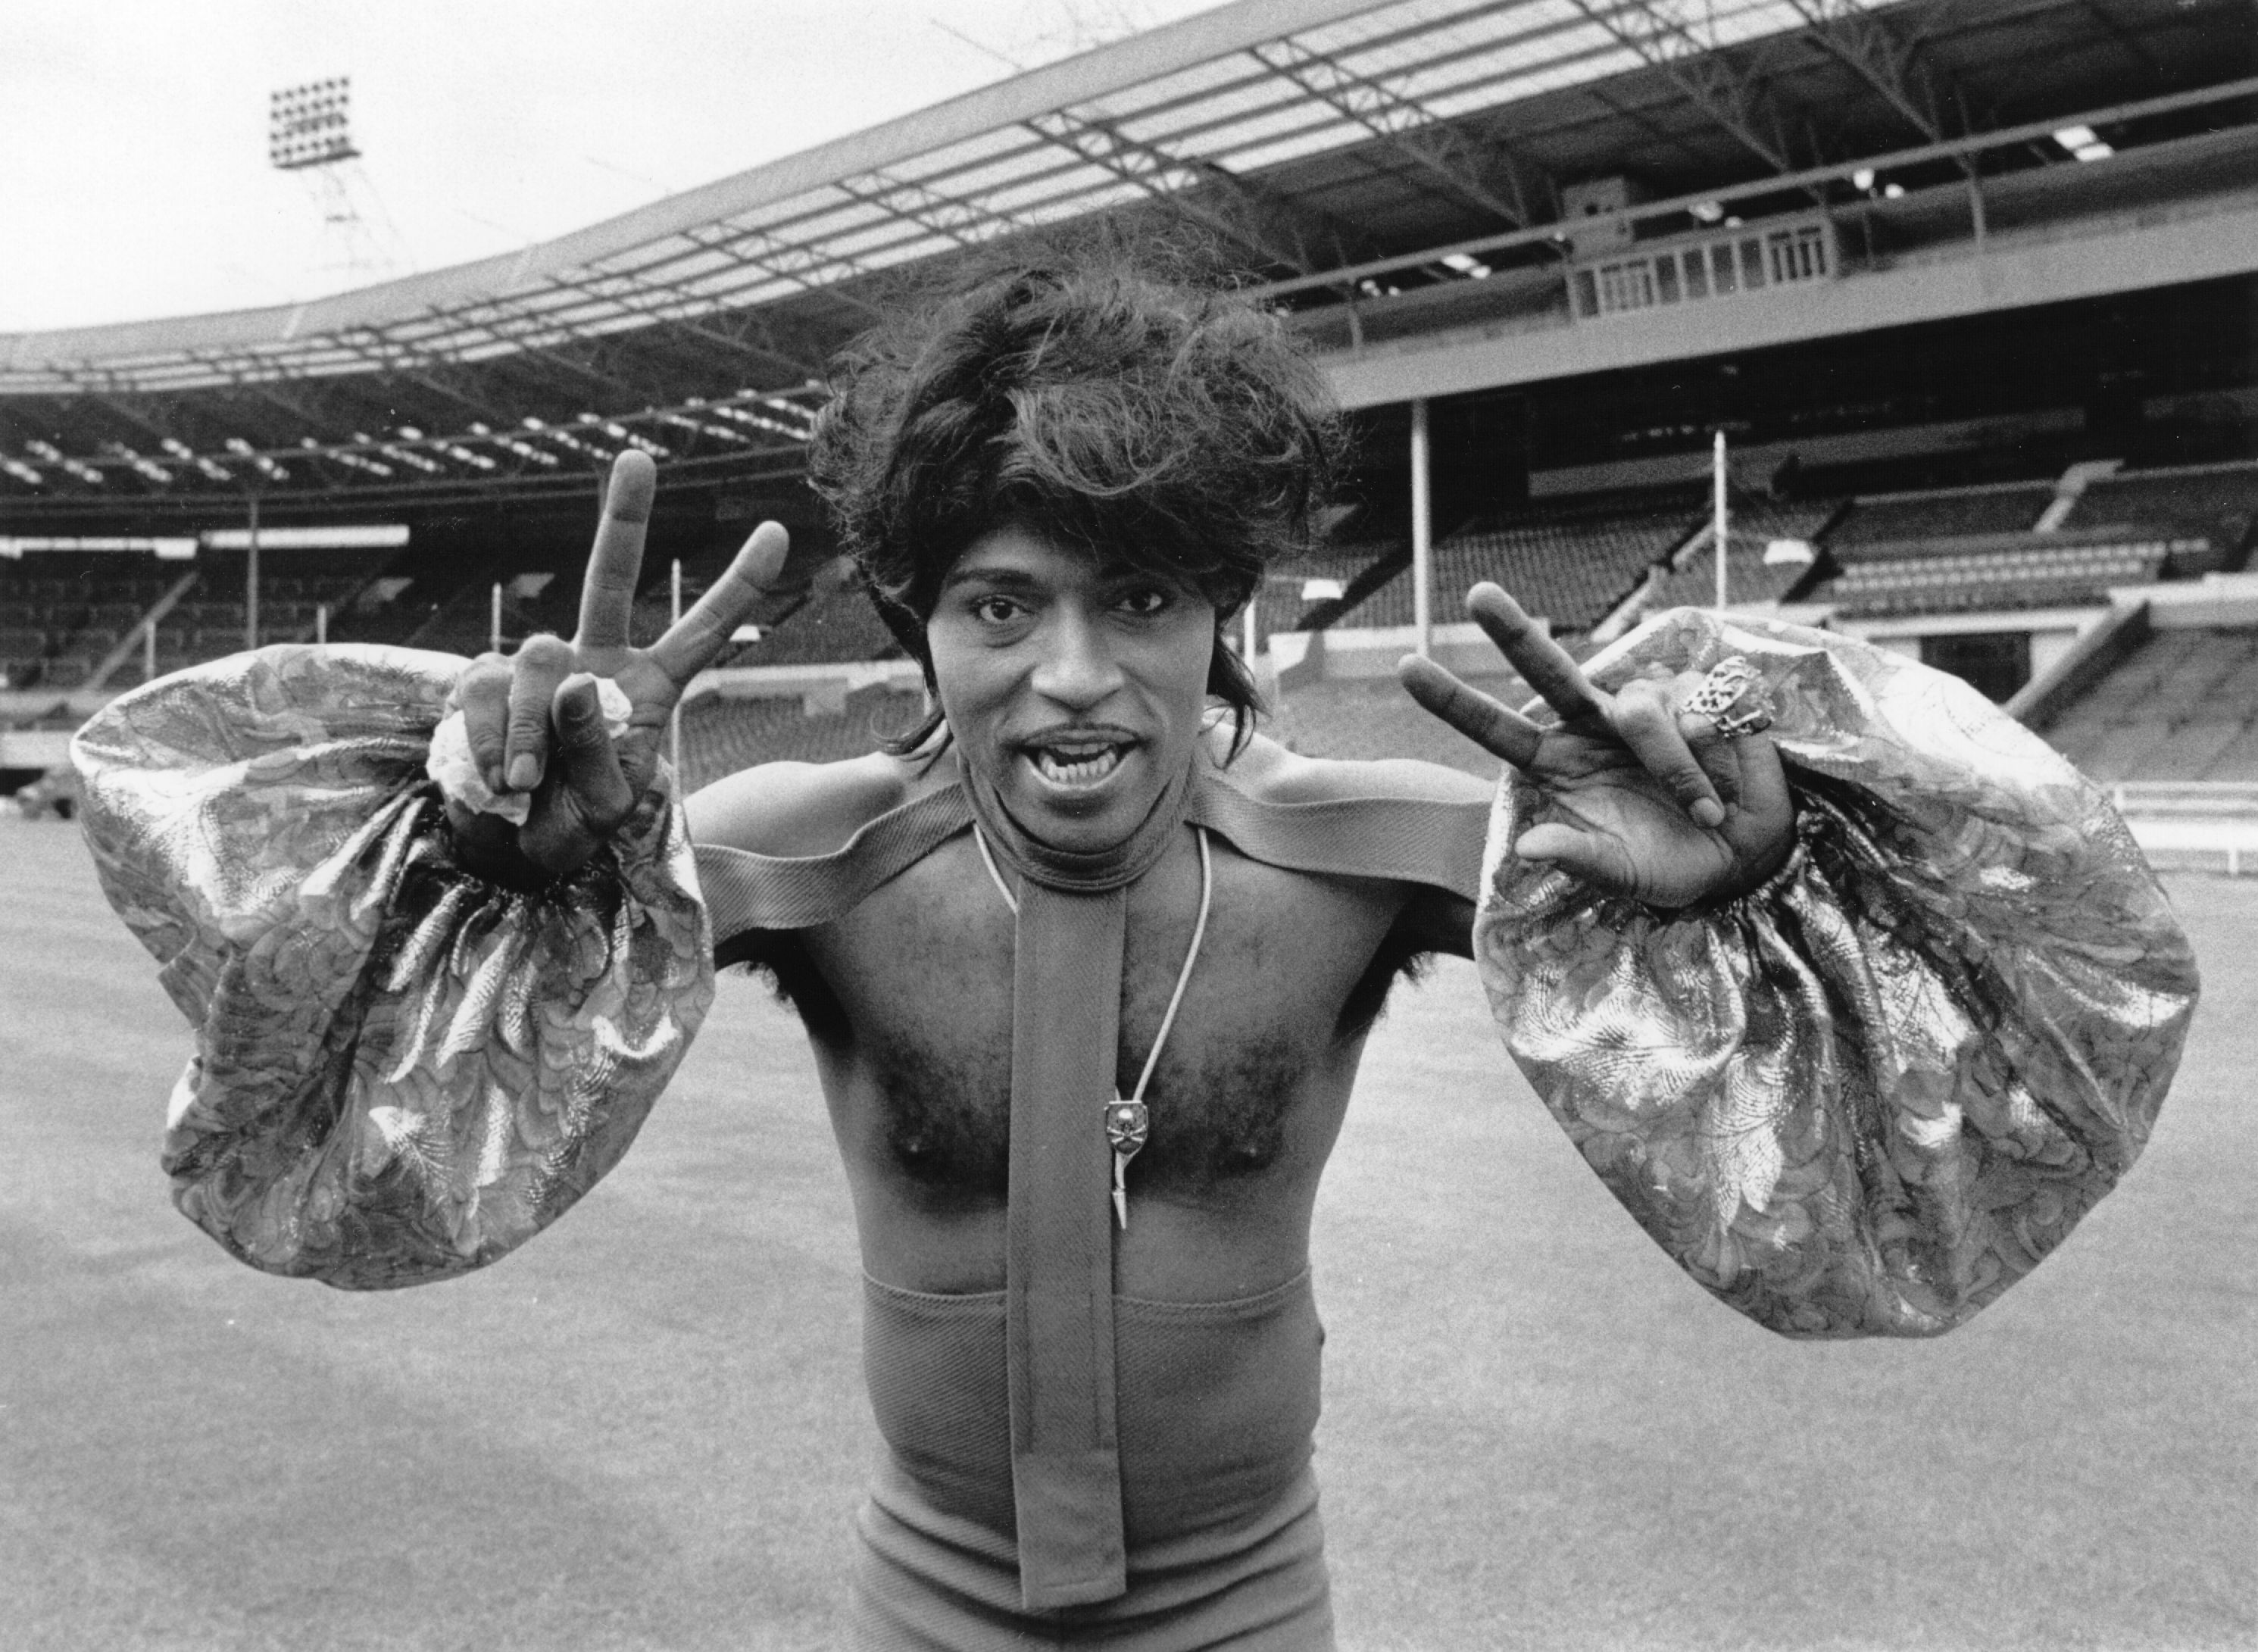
point(423, 1030)
point(1858, 1040)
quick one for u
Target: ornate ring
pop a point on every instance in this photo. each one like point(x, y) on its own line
point(1733, 697)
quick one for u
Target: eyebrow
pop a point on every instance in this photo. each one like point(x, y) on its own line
point(1009, 578)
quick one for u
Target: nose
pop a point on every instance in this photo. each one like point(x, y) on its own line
point(1077, 669)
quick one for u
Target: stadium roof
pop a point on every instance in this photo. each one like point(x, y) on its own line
point(1341, 150)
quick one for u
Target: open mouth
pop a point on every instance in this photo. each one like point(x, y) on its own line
point(1078, 762)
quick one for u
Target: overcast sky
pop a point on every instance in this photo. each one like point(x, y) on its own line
point(133, 173)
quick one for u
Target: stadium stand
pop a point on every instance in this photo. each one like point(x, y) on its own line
point(835, 621)
point(2209, 511)
point(1771, 549)
point(82, 627)
point(721, 736)
point(1956, 513)
point(1358, 568)
point(1571, 566)
point(2003, 571)
point(2066, 414)
point(2183, 708)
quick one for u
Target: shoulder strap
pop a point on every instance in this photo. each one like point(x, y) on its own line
point(1412, 840)
point(1354, 833)
point(1428, 840)
point(744, 890)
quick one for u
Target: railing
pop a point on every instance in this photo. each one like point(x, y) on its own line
point(2198, 817)
point(1710, 267)
point(2216, 797)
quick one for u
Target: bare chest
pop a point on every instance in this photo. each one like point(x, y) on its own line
point(1253, 1072)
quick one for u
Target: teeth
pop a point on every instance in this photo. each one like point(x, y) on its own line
point(1080, 771)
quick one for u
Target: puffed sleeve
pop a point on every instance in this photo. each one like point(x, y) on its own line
point(402, 1072)
point(1869, 1096)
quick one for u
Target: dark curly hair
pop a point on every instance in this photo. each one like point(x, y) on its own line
point(1172, 426)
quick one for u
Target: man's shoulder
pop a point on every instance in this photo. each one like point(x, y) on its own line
point(796, 809)
point(1267, 772)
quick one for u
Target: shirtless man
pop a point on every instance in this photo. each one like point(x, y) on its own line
point(1066, 575)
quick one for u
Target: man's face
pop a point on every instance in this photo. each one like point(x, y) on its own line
point(1073, 685)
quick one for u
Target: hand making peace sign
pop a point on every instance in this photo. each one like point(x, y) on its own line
point(1641, 797)
point(534, 721)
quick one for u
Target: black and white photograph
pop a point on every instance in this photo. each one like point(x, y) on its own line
point(1184, 826)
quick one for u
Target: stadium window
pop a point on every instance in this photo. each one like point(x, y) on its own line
point(1587, 293)
point(1721, 261)
point(1752, 273)
point(1666, 278)
point(1697, 272)
point(1628, 286)
point(1994, 663)
point(1797, 255)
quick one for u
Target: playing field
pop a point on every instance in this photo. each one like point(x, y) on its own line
point(646, 1429)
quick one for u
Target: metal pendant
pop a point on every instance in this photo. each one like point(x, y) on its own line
point(1127, 1123)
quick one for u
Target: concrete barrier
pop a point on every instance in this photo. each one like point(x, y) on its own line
point(1346, 652)
point(820, 687)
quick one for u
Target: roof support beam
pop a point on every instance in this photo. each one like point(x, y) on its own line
point(1408, 126)
point(654, 299)
point(1869, 48)
point(810, 268)
point(1268, 224)
point(393, 363)
point(963, 222)
point(1741, 104)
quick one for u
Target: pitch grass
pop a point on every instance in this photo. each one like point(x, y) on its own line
point(647, 1428)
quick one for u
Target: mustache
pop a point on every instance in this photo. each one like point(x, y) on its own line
point(1079, 733)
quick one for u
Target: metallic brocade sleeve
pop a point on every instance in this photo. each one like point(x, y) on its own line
point(1870, 1096)
point(402, 1072)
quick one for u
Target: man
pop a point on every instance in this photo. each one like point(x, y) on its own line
point(1088, 972)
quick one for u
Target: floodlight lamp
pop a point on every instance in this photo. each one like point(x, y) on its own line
point(1893, 191)
point(1863, 179)
point(2075, 138)
point(1708, 211)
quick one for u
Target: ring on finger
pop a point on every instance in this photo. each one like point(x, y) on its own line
point(1733, 697)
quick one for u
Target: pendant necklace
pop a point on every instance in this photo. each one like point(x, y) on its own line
point(1129, 1121)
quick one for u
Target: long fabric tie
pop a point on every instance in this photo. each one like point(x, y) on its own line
point(1058, 1282)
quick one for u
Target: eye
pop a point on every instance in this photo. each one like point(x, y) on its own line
point(995, 610)
point(1148, 600)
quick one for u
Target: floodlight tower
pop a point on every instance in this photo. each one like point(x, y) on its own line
point(309, 132)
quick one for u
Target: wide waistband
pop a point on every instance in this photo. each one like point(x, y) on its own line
point(1216, 1401)
point(928, 1578)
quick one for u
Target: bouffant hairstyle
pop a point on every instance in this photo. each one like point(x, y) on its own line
point(1172, 427)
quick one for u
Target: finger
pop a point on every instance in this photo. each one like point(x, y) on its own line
point(1543, 663)
point(482, 693)
point(691, 643)
point(1717, 755)
point(1644, 721)
point(1495, 728)
point(541, 664)
point(1587, 855)
point(1764, 779)
point(608, 594)
point(595, 787)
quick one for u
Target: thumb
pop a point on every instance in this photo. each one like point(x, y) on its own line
point(595, 787)
point(1585, 855)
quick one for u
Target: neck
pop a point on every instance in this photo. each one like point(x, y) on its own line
point(1080, 872)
